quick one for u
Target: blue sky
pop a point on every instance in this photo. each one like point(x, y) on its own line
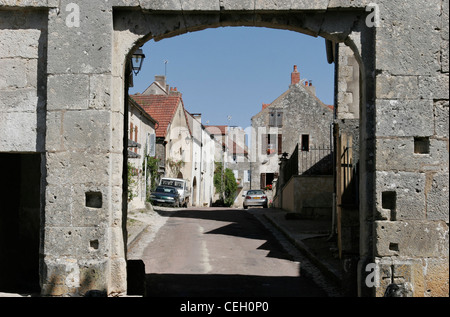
point(227, 73)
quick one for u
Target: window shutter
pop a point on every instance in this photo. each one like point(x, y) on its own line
point(152, 145)
point(264, 143)
point(279, 119)
point(280, 144)
point(272, 119)
point(263, 181)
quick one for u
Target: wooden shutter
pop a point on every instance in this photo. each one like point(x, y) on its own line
point(280, 144)
point(264, 143)
point(263, 181)
point(272, 119)
point(279, 119)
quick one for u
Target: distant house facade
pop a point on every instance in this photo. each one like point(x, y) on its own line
point(183, 146)
point(203, 163)
point(295, 118)
point(141, 142)
point(232, 151)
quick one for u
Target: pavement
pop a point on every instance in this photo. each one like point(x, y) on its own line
point(310, 236)
point(313, 239)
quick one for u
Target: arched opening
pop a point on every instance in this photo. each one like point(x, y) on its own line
point(334, 32)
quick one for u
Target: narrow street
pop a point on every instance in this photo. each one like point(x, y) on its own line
point(212, 252)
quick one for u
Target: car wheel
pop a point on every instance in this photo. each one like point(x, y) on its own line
point(245, 207)
point(265, 206)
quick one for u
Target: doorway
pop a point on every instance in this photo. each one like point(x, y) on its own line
point(20, 222)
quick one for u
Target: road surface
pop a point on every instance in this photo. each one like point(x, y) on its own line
point(215, 252)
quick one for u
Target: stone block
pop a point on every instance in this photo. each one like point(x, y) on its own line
point(78, 168)
point(54, 140)
point(397, 87)
point(409, 189)
point(100, 92)
point(88, 130)
point(68, 91)
point(411, 238)
point(241, 5)
point(441, 118)
point(434, 87)
point(437, 197)
point(118, 269)
point(401, 272)
point(19, 43)
point(21, 131)
point(345, 4)
point(59, 204)
point(19, 100)
point(286, 5)
point(436, 278)
point(397, 154)
point(93, 276)
point(162, 5)
point(409, 34)
point(404, 118)
point(12, 74)
point(200, 5)
point(79, 49)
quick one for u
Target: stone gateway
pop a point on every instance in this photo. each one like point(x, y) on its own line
point(63, 86)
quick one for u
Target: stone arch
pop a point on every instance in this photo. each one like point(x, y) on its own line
point(133, 28)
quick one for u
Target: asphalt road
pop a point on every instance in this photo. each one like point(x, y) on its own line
point(221, 253)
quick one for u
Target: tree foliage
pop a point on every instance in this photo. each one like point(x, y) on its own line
point(225, 184)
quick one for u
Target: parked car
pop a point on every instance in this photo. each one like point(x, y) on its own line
point(165, 196)
point(182, 187)
point(255, 197)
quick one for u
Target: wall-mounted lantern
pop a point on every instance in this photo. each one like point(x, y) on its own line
point(136, 60)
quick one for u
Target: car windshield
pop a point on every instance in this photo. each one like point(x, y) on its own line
point(255, 192)
point(166, 190)
point(170, 182)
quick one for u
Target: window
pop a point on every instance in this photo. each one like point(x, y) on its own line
point(305, 142)
point(272, 143)
point(276, 118)
point(151, 144)
point(247, 174)
point(266, 180)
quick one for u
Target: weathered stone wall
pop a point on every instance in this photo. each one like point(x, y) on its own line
point(403, 132)
point(411, 163)
point(23, 50)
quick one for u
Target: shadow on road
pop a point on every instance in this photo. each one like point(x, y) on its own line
point(237, 223)
point(216, 285)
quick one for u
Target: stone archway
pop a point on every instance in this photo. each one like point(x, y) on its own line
point(134, 28)
point(85, 46)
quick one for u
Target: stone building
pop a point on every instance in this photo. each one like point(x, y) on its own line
point(141, 143)
point(183, 145)
point(296, 117)
point(232, 152)
point(173, 133)
point(62, 124)
point(203, 161)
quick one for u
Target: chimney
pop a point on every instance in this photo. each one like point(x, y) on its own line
point(311, 88)
point(295, 76)
point(161, 80)
point(265, 105)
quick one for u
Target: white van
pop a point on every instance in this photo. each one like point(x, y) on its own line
point(182, 187)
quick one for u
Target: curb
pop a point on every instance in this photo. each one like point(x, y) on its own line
point(328, 271)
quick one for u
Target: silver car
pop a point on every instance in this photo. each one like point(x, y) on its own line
point(255, 197)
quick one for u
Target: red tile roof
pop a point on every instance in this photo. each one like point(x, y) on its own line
point(160, 107)
point(215, 129)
